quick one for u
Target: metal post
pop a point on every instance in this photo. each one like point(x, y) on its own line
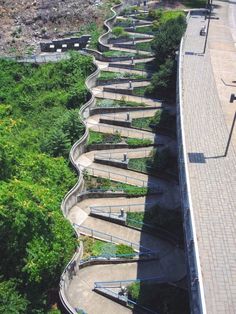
point(230, 135)
point(208, 25)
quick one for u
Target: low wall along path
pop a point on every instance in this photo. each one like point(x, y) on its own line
point(155, 257)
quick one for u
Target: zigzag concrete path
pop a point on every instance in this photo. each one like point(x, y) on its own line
point(172, 261)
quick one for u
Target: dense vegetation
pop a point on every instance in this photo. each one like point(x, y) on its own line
point(165, 44)
point(39, 122)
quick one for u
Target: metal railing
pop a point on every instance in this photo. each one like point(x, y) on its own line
point(139, 207)
point(96, 172)
point(117, 93)
point(129, 154)
point(111, 238)
point(40, 58)
point(127, 116)
point(125, 283)
point(129, 303)
point(120, 215)
point(123, 131)
point(114, 257)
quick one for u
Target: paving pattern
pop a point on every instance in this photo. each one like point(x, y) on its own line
point(212, 176)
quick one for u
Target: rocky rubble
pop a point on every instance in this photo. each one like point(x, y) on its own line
point(24, 23)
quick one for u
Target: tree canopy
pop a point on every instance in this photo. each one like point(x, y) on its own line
point(39, 124)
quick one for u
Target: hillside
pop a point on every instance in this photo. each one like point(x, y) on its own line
point(24, 23)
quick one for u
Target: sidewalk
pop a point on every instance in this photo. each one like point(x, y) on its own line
point(212, 177)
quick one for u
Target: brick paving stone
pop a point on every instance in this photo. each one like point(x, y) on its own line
point(213, 182)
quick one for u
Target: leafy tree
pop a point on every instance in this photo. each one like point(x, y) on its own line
point(71, 125)
point(167, 38)
point(57, 143)
point(11, 301)
point(5, 163)
point(164, 80)
point(36, 127)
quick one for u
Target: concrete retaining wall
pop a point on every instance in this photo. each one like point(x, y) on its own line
point(124, 39)
point(117, 81)
point(195, 285)
point(65, 44)
point(94, 111)
point(124, 123)
point(118, 90)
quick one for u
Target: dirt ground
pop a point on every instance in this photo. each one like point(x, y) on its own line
point(24, 23)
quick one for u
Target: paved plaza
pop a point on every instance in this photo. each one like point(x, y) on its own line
point(207, 116)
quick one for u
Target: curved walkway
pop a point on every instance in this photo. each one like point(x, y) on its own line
point(171, 259)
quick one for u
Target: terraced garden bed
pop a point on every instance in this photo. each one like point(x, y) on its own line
point(144, 46)
point(95, 248)
point(145, 30)
point(103, 184)
point(162, 298)
point(144, 66)
point(169, 220)
point(107, 75)
point(106, 138)
point(105, 103)
point(159, 162)
point(161, 119)
point(119, 53)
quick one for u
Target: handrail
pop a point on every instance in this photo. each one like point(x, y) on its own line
point(114, 257)
point(71, 196)
point(129, 302)
point(123, 178)
point(120, 155)
point(50, 57)
point(124, 131)
point(120, 283)
point(125, 115)
point(110, 238)
point(124, 207)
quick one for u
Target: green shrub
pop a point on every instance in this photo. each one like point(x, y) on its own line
point(134, 291)
point(118, 31)
point(94, 247)
point(159, 297)
point(103, 138)
point(169, 220)
point(138, 142)
point(122, 249)
point(163, 81)
point(167, 38)
point(11, 300)
point(104, 103)
point(110, 185)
